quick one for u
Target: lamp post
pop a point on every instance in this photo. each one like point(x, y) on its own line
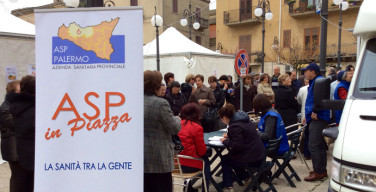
point(157, 21)
point(188, 13)
point(260, 12)
point(343, 5)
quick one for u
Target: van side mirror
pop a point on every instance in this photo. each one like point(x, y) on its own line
point(321, 94)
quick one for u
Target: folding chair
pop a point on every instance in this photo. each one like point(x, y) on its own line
point(294, 138)
point(178, 173)
point(266, 166)
point(291, 129)
point(299, 152)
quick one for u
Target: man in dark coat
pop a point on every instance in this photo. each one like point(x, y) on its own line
point(228, 88)
point(22, 108)
point(332, 74)
point(295, 84)
point(274, 78)
point(8, 136)
point(249, 92)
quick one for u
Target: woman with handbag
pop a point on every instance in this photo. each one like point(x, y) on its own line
point(220, 97)
point(192, 138)
point(204, 97)
point(159, 126)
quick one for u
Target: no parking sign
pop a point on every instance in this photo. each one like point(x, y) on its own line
point(241, 63)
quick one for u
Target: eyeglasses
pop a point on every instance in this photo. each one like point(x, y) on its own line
point(162, 85)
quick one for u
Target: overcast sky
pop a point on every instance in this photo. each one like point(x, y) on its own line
point(212, 4)
point(9, 5)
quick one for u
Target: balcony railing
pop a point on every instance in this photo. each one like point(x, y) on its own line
point(302, 9)
point(347, 50)
point(240, 16)
point(204, 23)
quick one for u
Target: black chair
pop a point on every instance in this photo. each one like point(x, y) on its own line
point(265, 167)
point(294, 138)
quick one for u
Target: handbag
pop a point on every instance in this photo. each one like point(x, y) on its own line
point(211, 115)
point(178, 145)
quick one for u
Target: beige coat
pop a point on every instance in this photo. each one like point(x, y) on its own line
point(203, 93)
point(266, 89)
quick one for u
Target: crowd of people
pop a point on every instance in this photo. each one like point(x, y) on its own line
point(279, 100)
point(189, 110)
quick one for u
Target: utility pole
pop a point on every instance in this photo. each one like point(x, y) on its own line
point(323, 36)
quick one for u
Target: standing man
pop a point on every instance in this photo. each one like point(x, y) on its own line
point(256, 79)
point(332, 74)
point(275, 76)
point(168, 78)
point(316, 120)
point(229, 90)
point(295, 84)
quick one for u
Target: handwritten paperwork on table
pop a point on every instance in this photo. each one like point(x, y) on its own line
point(215, 140)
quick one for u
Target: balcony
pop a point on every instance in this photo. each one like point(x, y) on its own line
point(240, 17)
point(298, 54)
point(204, 23)
point(348, 52)
point(302, 9)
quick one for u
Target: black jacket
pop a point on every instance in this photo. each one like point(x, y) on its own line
point(22, 107)
point(247, 98)
point(7, 128)
point(244, 143)
point(176, 102)
point(332, 77)
point(286, 105)
point(186, 90)
point(220, 97)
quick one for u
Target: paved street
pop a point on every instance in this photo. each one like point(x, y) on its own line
point(280, 184)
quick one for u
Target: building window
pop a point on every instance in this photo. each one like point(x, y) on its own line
point(198, 14)
point(198, 40)
point(245, 43)
point(245, 7)
point(175, 6)
point(134, 2)
point(286, 38)
point(311, 41)
point(91, 3)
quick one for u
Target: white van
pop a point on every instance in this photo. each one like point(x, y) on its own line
point(354, 153)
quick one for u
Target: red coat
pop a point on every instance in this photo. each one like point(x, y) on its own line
point(192, 138)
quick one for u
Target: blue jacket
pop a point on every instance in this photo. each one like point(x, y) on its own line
point(281, 131)
point(346, 85)
point(321, 114)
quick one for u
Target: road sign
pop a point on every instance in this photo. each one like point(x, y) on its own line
point(241, 63)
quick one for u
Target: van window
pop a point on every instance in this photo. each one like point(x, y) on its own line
point(365, 87)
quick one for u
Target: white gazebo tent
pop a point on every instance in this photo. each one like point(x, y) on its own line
point(181, 56)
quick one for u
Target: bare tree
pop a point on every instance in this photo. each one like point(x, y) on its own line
point(295, 54)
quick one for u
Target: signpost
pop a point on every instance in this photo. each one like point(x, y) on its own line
point(241, 68)
point(89, 102)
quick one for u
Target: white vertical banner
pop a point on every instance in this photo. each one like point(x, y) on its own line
point(89, 103)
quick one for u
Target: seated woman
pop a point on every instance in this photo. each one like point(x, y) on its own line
point(192, 138)
point(271, 125)
point(243, 143)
